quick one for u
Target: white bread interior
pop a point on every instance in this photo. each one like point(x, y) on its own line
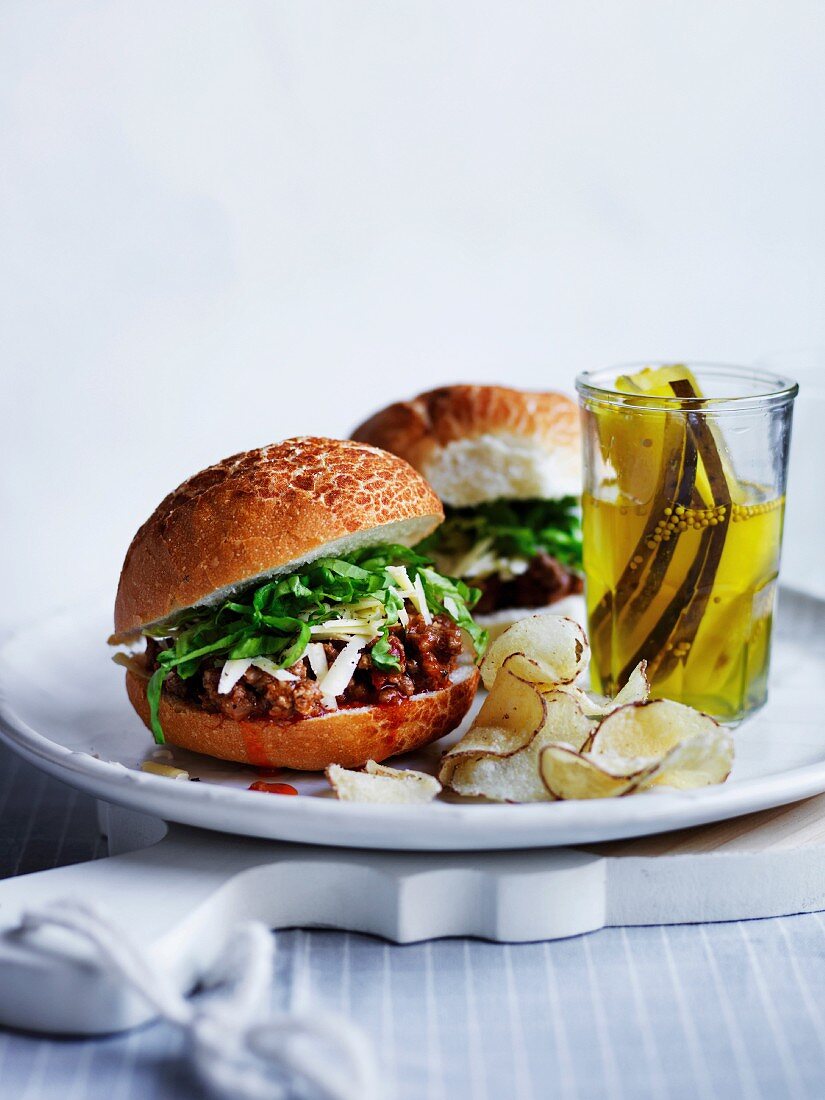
point(482, 443)
point(495, 466)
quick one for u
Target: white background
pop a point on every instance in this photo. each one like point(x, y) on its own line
point(222, 223)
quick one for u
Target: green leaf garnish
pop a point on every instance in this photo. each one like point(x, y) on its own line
point(512, 529)
point(274, 619)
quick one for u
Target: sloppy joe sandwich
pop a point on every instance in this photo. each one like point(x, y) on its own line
point(507, 466)
point(284, 618)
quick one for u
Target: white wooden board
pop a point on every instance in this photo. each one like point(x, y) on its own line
point(180, 892)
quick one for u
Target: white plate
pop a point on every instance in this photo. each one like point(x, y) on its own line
point(63, 707)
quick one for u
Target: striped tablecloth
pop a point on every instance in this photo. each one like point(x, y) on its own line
point(730, 1010)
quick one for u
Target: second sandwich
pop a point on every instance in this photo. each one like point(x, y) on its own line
point(506, 464)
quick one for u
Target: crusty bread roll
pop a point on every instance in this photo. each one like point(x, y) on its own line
point(262, 513)
point(350, 736)
point(481, 443)
point(265, 512)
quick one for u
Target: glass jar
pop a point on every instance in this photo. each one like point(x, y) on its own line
point(685, 469)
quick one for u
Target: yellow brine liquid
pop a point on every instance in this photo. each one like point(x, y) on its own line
point(681, 555)
point(653, 593)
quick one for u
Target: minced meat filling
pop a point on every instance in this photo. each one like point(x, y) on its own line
point(427, 653)
point(545, 581)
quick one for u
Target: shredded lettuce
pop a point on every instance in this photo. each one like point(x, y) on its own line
point(274, 618)
point(510, 529)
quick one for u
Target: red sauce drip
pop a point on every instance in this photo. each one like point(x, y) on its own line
point(272, 788)
point(255, 748)
point(269, 773)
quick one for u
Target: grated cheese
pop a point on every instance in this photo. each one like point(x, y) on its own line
point(343, 628)
point(265, 665)
point(369, 603)
point(339, 624)
point(154, 768)
point(481, 561)
point(360, 623)
point(514, 567)
point(231, 672)
point(401, 577)
point(412, 591)
point(342, 669)
point(403, 614)
point(476, 560)
point(418, 598)
point(317, 660)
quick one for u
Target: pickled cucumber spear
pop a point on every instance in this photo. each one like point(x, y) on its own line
point(689, 472)
point(647, 565)
point(677, 485)
point(665, 549)
point(672, 636)
point(712, 544)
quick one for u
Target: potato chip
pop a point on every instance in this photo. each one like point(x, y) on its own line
point(639, 746)
point(566, 719)
point(501, 763)
point(636, 690)
point(570, 774)
point(501, 777)
point(698, 761)
point(378, 783)
point(556, 647)
point(539, 736)
point(649, 729)
point(516, 704)
point(507, 722)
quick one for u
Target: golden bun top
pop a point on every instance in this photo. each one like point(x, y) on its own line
point(481, 443)
point(264, 512)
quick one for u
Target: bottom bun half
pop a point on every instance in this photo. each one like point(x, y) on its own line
point(350, 736)
point(496, 622)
